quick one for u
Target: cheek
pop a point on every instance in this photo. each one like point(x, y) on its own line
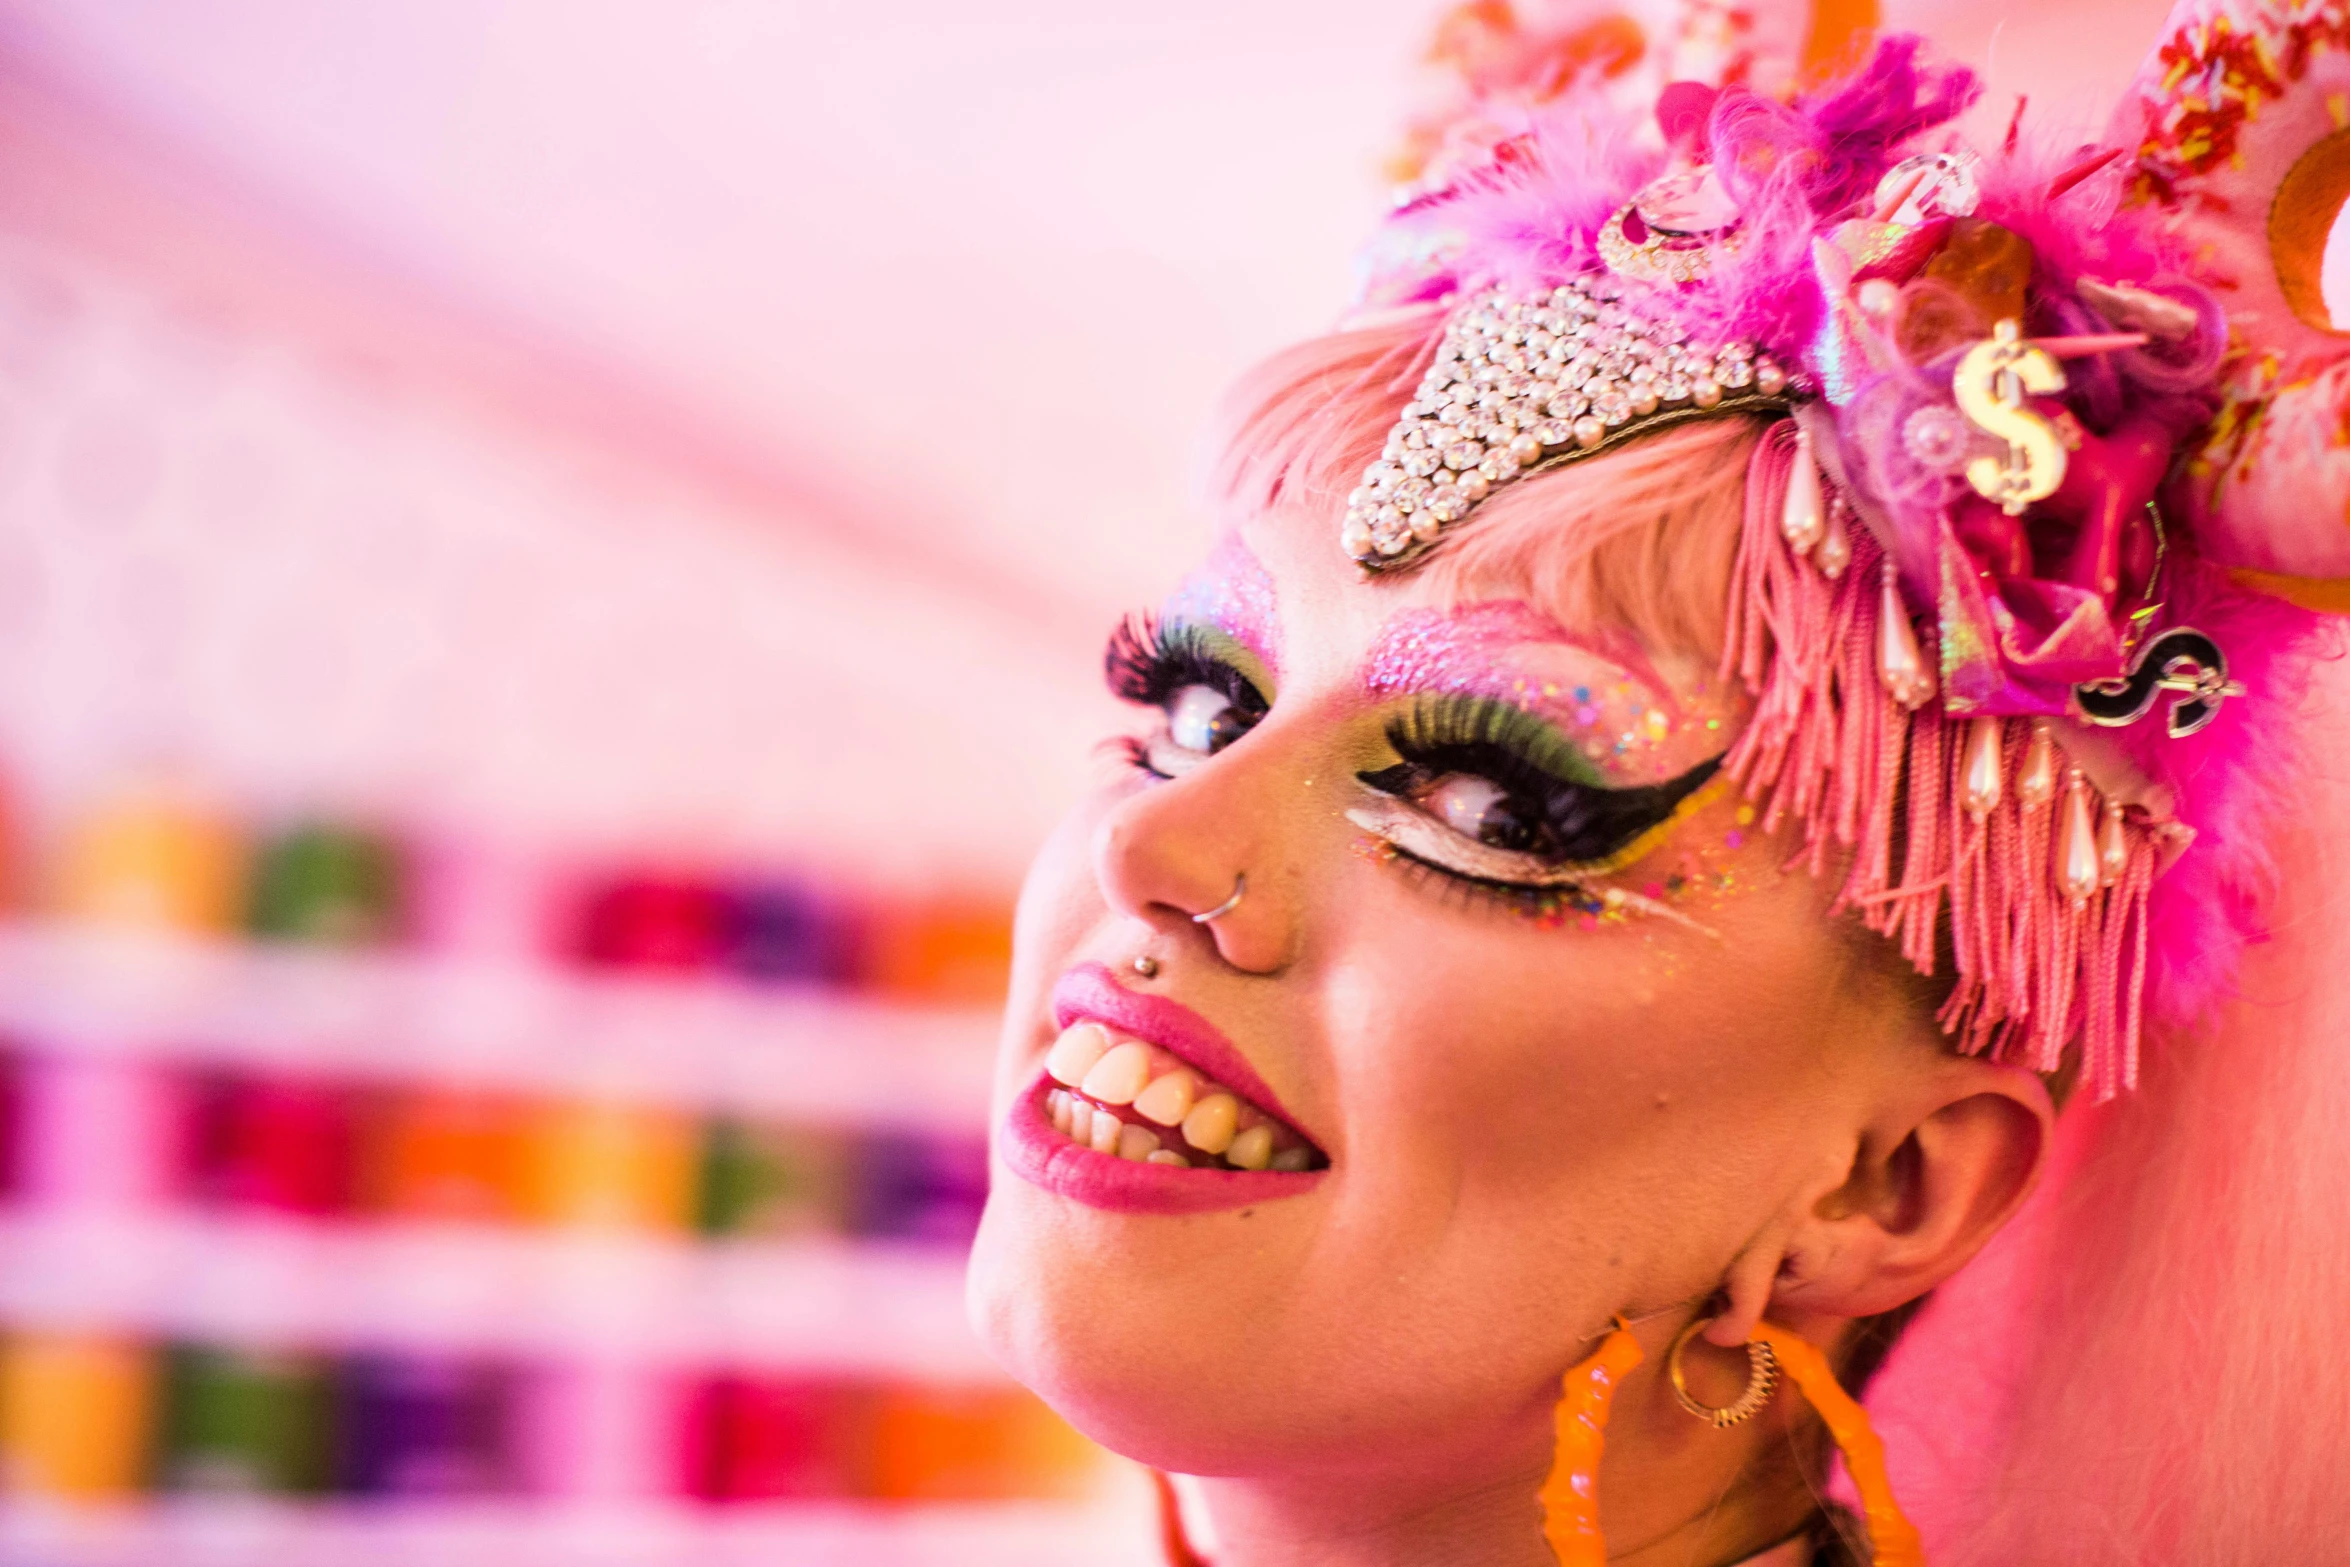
point(1615, 1102)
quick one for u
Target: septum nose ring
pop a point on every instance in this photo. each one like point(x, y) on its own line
point(1239, 890)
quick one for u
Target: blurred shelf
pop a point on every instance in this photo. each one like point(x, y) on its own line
point(1115, 1531)
point(819, 1304)
point(699, 1042)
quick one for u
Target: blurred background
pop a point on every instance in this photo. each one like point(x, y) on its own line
point(553, 558)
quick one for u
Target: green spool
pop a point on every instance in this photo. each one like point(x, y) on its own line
point(771, 1181)
point(328, 885)
point(245, 1422)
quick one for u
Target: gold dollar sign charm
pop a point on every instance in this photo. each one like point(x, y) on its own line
point(1990, 384)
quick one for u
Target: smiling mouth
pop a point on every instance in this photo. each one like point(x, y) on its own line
point(1132, 1100)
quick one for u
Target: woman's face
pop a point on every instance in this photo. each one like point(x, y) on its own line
point(1515, 978)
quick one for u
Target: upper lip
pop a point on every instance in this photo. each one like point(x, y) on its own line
point(1089, 993)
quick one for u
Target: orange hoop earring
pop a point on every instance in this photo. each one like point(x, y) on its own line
point(1570, 1497)
point(1172, 1540)
point(1893, 1539)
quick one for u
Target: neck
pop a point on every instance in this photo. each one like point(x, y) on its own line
point(1672, 1489)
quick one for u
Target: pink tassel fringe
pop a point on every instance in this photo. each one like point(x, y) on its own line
point(1830, 751)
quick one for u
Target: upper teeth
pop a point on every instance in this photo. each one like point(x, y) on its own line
point(1212, 1122)
point(1117, 1077)
point(1167, 1100)
point(1106, 1072)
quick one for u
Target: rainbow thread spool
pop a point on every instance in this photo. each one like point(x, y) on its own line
point(963, 1445)
point(278, 1143)
point(245, 1421)
point(773, 1181)
point(101, 1132)
point(154, 860)
point(785, 933)
point(76, 1414)
point(948, 952)
point(426, 1425)
point(768, 1438)
point(599, 1164)
point(650, 922)
point(444, 1154)
point(330, 885)
point(917, 1186)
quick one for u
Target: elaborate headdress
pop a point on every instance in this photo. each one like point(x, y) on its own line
point(2020, 583)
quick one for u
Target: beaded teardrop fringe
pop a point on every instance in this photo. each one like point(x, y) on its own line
point(2047, 934)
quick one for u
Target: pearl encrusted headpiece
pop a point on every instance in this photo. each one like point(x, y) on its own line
point(1524, 381)
point(2020, 613)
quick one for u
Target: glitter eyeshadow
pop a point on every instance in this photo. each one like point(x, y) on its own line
point(1620, 724)
point(1233, 592)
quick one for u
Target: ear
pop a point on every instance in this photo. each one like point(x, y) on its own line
point(1933, 1177)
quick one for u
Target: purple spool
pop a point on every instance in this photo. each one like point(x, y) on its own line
point(917, 1186)
point(787, 933)
point(424, 1425)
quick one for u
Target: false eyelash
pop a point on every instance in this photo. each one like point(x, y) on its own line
point(1537, 755)
point(1550, 903)
point(1148, 660)
point(1544, 905)
point(1591, 825)
point(1130, 752)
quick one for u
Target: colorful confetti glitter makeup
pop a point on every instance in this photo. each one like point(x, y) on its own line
point(1619, 712)
point(1232, 592)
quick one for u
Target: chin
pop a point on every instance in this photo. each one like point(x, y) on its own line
point(1133, 1329)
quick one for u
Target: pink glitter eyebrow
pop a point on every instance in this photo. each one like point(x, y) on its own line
point(1233, 592)
point(1466, 651)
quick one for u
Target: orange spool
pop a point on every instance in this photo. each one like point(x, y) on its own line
point(952, 950)
point(952, 1445)
point(77, 1414)
point(154, 860)
point(445, 1154)
point(604, 1165)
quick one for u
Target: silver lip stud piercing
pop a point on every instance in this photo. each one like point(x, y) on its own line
point(1147, 966)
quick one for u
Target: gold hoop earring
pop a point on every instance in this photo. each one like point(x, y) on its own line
point(1762, 1381)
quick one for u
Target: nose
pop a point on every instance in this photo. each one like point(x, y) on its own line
point(1207, 843)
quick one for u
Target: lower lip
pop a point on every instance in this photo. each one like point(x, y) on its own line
point(1043, 1157)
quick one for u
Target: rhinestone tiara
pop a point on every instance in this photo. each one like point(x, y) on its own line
point(1526, 381)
